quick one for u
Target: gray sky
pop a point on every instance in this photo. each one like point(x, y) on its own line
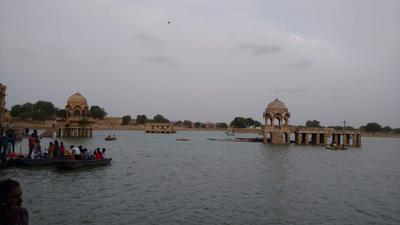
point(326, 60)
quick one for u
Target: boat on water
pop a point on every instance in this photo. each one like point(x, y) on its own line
point(220, 139)
point(249, 139)
point(336, 147)
point(182, 139)
point(78, 164)
point(27, 162)
point(110, 138)
point(229, 133)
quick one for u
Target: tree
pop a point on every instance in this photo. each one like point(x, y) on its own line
point(125, 120)
point(141, 119)
point(221, 125)
point(187, 123)
point(43, 110)
point(386, 129)
point(160, 119)
point(197, 125)
point(314, 123)
point(239, 122)
point(22, 111)
point(249, 122)
point(97, 112)
point(373, 127)
point(257, 124)
point(61, 113)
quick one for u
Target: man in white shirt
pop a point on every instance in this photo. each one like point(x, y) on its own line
point(76, 152)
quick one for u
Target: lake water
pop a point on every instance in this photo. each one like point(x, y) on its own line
point(153, 179)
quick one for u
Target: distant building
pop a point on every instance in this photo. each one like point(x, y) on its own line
point(159, 128)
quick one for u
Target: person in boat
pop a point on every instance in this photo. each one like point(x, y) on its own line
point(99, 154)
point(67, 153)
point(76, 152)
point(50, 150)
point(56, 149)
point(86, 154)
point(104, 152)
point(11, 210)
point(37, 150)
point(31, 144)
point(62, 149)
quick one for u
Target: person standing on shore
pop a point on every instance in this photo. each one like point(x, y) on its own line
point(11, 210)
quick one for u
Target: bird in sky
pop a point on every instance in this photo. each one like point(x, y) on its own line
point(169, 22)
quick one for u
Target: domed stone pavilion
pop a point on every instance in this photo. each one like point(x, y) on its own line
point(77, 106)
point(78, 123)
point(278, 131)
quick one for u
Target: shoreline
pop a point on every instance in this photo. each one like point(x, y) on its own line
point(47, 125)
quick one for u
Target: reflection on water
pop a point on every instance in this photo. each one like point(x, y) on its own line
point(154, 179)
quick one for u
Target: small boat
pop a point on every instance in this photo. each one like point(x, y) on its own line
point(27, 162)
point(77, 164)
point(336, 147)
point(229, 133)
point(182, 139)
point(220, 139)
point(109, 138)
point(249, 140)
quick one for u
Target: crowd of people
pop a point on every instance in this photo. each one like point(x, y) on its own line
point(57, 149)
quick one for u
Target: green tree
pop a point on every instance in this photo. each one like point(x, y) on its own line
point(125, 120)
point(97, 112)
point(313, 123)
point(373, 127)
point(249, 122)
point(239, 122)
point(197, 125)
point(22, 111)
point(141, 119)
point(221, 125)
point(257, 124)
point(386, 129)
point(43, 110)
point(160, 119)
point(187, 123)
point(61, 113)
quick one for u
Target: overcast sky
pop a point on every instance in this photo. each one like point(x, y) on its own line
point(326, 60)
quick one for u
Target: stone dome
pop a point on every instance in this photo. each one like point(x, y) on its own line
point(77, 100)
point(77, 106)
point(277, 106)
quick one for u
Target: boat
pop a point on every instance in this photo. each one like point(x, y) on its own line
point(229, 133)
point(182, 139)
point(336, 147)
point(77, 164)
point(249, 139)
point(219, 139)
point(28, 162)
point(110, 138)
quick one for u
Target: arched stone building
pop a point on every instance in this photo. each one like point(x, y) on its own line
point(78, 123)
point(276, 111)
point(278, 131)
point(77, 106)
